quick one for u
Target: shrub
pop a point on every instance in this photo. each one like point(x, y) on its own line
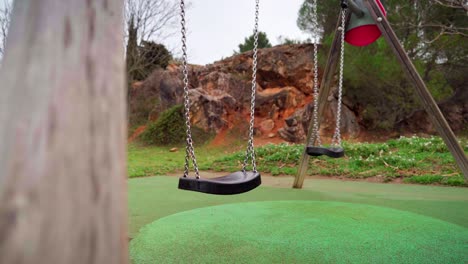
point(455, 181)
point(168, 129)
point(425, 179)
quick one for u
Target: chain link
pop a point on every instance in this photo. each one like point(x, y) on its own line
point(189, 150)
point(315, 139)
point(336, 141)
point(250, 153)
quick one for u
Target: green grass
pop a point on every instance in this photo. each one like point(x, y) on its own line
point(157, 198)
point(415, 160)
point(418, 160)
point(152, 198)
point(301, 232)
point(144, 160)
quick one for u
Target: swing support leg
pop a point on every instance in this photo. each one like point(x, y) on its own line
point(431, 107)
point(435, 115)
point(325, 86)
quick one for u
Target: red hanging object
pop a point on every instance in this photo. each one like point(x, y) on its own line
point(363, 31)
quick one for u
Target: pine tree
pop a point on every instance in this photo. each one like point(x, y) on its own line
point(248, 44)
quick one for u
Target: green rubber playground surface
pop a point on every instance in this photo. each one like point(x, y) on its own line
point(300, 232)
point(328, 221)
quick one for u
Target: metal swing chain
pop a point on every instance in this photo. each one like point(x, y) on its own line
point(189, 150)
point(315, 132)
point(336, 141)
point(250, 146)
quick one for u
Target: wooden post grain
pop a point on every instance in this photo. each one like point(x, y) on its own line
point(62, 134)
point(325, 87)
point(433, 111)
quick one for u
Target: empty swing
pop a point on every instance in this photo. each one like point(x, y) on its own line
point(315, 147)
point(234, 183)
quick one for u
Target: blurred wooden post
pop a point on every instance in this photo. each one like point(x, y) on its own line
point(433, 111)
point(62, 134)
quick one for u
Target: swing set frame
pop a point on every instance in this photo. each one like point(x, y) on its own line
point(430, 106)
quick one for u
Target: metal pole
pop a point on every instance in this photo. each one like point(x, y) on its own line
point(355, 8)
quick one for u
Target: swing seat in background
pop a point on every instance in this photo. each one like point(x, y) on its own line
point(332, 152)
point(234, 183)
point(335, 150)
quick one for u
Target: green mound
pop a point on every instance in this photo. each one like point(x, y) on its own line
point(299, 232)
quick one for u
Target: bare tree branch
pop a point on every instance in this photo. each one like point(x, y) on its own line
point(149, 21)
point(462, 4)
point(432, 20)
point(154, 19)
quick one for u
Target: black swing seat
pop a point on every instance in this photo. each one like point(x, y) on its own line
point(332, 152)
point(234, 183)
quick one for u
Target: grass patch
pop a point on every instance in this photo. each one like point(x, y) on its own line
point(147, 160)
point(425, 179)
point(418, 160)
point(415, 159)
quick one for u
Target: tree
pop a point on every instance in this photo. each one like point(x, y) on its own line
point(132, 56)
point(155, 55)
point(153, 19)
point(5, 15)
point(147, 57)
point(326, 11)
point(433, 33)
point(62, 134)
point(282, 40)
point(148, 21)
point(248, 44)
point(143, 58)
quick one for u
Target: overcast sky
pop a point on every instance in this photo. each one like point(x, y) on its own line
point(216, 27)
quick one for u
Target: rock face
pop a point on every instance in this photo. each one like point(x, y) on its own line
point(220, 94)
point(296, 126)
point(456, 114)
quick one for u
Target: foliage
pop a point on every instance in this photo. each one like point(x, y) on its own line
point(153, 56)
point(142, 60)
point(131, 56)
point(282, 40)
point(140, 108)
point(327, 12)
point(146, 160)
point(425, 179)
point(375, 82)
point(413, 159)
point(434, 35)
point(168, 129)
point(248, 44)
point(148, 23)
point(153, 19)
point(399, 158)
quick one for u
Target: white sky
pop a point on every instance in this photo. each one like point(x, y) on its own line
point(217, 27)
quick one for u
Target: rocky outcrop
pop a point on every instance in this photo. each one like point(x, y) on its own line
point(455, 112)
point(220, 94)
point(296, 126)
